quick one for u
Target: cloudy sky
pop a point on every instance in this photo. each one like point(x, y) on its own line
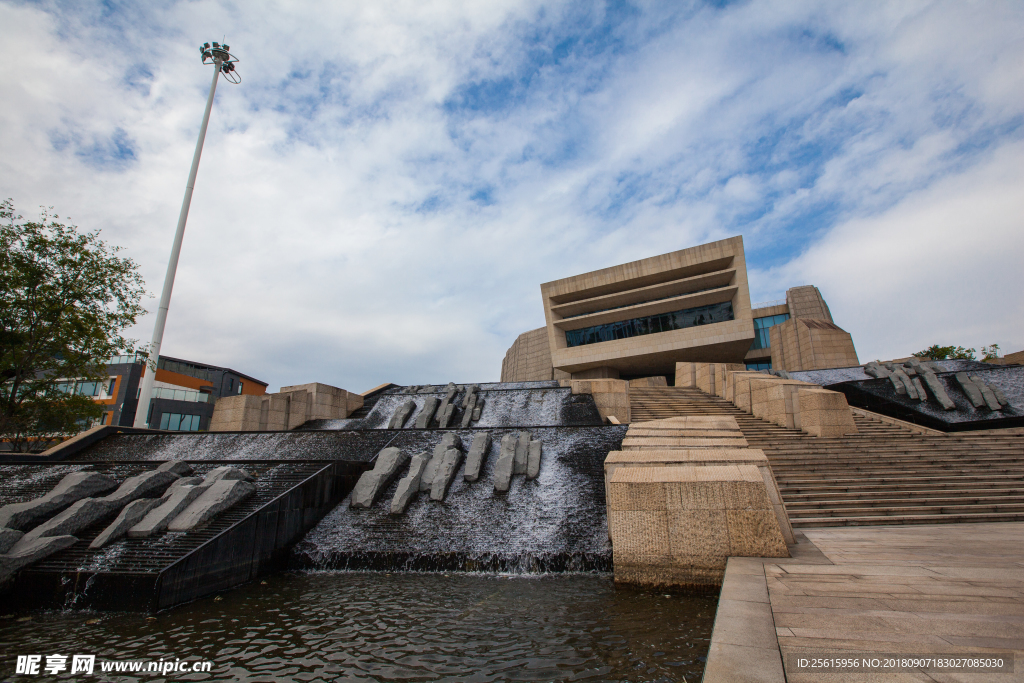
point(381, 196)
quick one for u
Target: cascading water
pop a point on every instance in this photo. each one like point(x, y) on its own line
point(555, 522)
point(505, 405)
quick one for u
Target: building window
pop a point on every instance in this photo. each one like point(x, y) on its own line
point(651, 324)
point(645, 301)
point(176, 422)
point(239, 386)
point(182, 368)
point(762, 339)
point(89, 388)
point(759, 366)
point(180, 395)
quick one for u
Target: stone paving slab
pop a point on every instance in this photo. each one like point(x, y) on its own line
point(944, 589)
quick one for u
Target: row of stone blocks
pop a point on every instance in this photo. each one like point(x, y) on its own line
point(684, 494)
point(785, 402)
point(441, 411)
point(434, 473)
point(164, 499)
point(286, 409)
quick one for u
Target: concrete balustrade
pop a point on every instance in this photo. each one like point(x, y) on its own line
point(825, 413)
point(777, 400)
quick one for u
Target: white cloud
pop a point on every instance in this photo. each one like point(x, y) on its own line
point(940, 267)
point(382, 195)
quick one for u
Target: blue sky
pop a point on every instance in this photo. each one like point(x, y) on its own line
point(382, 195)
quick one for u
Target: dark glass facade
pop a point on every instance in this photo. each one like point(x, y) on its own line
point(759, 366)
point(176, 422)
point(762, 340)
point(651, 324)
point(649, 301)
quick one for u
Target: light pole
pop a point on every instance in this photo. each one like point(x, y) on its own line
point(224, 63)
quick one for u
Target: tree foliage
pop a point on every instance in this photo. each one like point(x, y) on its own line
point(990, 352)
point(65, 298)
point(936, 352)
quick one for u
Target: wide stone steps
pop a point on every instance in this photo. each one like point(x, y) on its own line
point(870, 511)
point(812, 522)
point(906, 466)
point(880, 497)
point(907, 487)
point(885, 474)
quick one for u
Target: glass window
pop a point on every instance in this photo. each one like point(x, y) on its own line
point(176, 422)
point(651, 324)
point(759, 366)
point(239, 386)
point(762, 338)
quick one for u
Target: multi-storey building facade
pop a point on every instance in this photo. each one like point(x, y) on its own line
point(638, 319)
point(183, 396)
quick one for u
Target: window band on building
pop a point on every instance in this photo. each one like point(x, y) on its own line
point(176, 422)
point(650, 324)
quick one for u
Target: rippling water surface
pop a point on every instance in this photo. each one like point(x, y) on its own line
point(355, 626)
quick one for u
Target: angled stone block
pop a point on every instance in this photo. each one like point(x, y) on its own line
point(446, 416)
point(478, 409)
point(445, 474)
point(468, 407)
point(919, 388)
point(972, 391)
point(522, 453)
point(130, 515)
point(226, 472)
point(27, 551)
point(184, 481)
point(443, 412)
point(72, 488)
point(401, 414)
point(372, 483)
point(151, 484)
point(931, 381)
point(477, 453)
point(220, 496)
point(179, 467)
point(468, 399)
point(171, 505)
point(409, 486)
point(505, 463)
point(427, 414)
point(987, 395)
point(533, 460)
point(80, 515)
point(449, 440)
point(8, 537)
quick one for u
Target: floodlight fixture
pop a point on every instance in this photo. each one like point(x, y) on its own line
point(224, 64)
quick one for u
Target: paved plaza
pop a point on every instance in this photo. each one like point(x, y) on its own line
point(951, 588)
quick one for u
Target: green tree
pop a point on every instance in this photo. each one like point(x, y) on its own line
point(65, 298)
point(936, 352)
point(990, 352)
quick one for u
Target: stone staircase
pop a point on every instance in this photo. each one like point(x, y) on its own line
point(885, 474)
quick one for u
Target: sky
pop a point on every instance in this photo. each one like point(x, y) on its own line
point(382, 195)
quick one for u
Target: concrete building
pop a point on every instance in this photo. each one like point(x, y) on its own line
point(639, 319)
point(183, 396)
point(287, 409)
